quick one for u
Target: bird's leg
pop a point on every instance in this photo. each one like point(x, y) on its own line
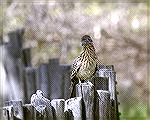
point(79, 81)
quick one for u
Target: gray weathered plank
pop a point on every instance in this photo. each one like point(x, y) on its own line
point(74, 109)
point(59, 106)
point(8, 113)
point(1, 113)
point(104, 105)
point(22, 78)
point(12, 51)
point(30, 81)
point(109, 72)
point(26, 57)
point(17, 108)
point(100, 83)
point(15, 42)
point(65, 81)
point(29, 112)
point(42, 76)
point(86, 91)
point(55, 81)
point(42, 105)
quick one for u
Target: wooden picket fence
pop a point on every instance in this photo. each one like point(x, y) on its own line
point(95, 100)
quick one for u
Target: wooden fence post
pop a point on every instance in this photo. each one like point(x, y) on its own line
point(108, 71)
point(30, 81)
point(100, 83)
point(17, 109)
point(26, 57)
point(65, 81)
point(74, 109)
point(1, 113)
point(49, 111)
point(59, 106)
point(29, 112)
point(86, 91)
point(15, 43)
point(22, 77)
point(55, 82)
point(42, 76)
point(44, 110)
point(8, 113)
point(42, 105)
point(12, 53)
point(104, 105)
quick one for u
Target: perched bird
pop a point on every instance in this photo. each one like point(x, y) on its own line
point(85, 65)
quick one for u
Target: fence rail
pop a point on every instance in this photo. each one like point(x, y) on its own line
point(95, 100)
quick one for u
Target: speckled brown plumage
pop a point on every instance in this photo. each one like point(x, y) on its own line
point(85, 65)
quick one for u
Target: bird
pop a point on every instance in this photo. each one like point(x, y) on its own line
point(85, 65)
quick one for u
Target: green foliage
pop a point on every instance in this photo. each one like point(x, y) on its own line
point(136, 112)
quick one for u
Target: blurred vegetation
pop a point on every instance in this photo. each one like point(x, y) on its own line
point(120, 31)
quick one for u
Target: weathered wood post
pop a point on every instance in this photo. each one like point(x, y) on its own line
point(14, 45)
point(59, 106)
point(12, 53)
point(55, 82)
point(1, 113)
point(30, 82)
point(74, 109)
point(108, 71)
point(22, 78)
point(17, 111)
point(26, 75)
point(104, 105)
point(86, 91)
point(26, 57)
point(8, 113)
point(29, 112)
point(42, 76)
point(65, 80)
point(100, 83)
point(42, 106)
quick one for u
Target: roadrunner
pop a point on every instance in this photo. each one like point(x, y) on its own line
point(85, 65)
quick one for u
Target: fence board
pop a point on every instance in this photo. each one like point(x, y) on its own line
point(65, 81)
point(1, 113)
point(22, 78)
point(12, 51)
point(15, 43)
point(17, 108)
point(8, 113)
point(104, 105)
point(59, 106)
point(100, 83)
point(55, 82)
point(29, 112)
point(86, 91)
point(74, 109)
point(30, 81)
point(42, 105)
point(26, 57)
point(42, 75)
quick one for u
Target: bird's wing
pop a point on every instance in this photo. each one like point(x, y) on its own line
point(75, 67)
point(74, 79)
